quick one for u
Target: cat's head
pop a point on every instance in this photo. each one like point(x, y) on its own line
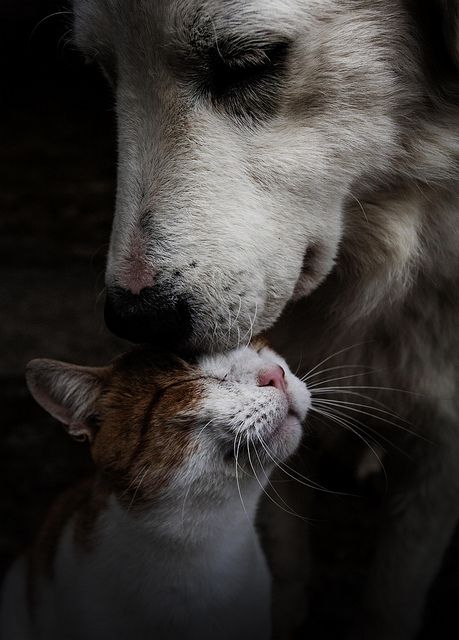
point(157, 423)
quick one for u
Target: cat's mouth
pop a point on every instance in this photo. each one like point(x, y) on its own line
point(274, 431)
point(263, 439)
point(294, 413)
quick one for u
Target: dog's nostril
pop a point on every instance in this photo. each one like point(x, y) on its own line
point(153, 316)
point(273, 376)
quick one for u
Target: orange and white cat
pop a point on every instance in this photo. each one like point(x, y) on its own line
point(160, 543)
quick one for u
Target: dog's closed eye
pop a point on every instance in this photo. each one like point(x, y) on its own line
point(231, 66)
point(243, 68)
point(239, 75)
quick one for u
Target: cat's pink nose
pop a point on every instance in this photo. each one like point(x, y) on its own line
point(273, 376)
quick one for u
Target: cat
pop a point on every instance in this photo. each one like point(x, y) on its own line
point(160, 543)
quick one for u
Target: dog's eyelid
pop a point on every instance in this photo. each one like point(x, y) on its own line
point(247, 54)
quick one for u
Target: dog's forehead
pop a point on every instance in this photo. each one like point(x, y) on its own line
point(234, 15)
point(178, 19)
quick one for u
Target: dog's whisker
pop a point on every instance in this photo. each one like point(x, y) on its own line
point(46, 18)
point(64, 40)
point(252, 323)
point(230, 326)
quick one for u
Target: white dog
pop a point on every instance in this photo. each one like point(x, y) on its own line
point(267, 147)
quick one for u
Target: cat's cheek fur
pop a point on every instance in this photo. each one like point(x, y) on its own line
point(149, 438)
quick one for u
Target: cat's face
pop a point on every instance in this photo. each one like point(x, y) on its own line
point(159, 423)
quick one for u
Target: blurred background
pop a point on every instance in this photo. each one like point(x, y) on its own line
point(57, 168)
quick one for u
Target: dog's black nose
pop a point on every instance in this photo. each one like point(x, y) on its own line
point(153, 316)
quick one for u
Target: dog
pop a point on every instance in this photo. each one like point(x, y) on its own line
point(292, 168)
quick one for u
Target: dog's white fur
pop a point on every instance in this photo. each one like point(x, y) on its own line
point(351, 179)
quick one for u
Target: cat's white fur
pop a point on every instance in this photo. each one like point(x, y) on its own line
point(139, 583)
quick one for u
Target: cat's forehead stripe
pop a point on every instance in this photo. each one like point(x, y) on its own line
point(147, 424)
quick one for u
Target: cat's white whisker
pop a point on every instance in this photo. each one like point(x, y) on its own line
point(252, 324)
point(349, 377)
point(360, 407)
point(285, 508)
point(362, 426)
point(230, 326)
point(294, 475)
point(137, 488)
point(135, 478)
point(187, 493)
point(347, 423)
point(333, 355)
point(237, 477)
point(337, 368)
point(370, 387)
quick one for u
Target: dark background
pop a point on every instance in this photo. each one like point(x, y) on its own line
point(57, 174)
point(57, 168)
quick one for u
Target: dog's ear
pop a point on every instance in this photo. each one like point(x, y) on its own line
point(69, 393)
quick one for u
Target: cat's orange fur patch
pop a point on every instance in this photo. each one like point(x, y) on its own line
point(146, 414)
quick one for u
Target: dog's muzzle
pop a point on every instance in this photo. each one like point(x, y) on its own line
point(153, 316)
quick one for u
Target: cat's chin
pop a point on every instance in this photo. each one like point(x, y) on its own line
point(284, 439)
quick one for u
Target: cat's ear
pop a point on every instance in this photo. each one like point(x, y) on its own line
point(69, 393)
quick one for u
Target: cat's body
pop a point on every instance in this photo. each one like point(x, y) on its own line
point(135, 582)
point(170, 553)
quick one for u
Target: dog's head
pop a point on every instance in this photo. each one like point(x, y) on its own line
point(245, 129)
